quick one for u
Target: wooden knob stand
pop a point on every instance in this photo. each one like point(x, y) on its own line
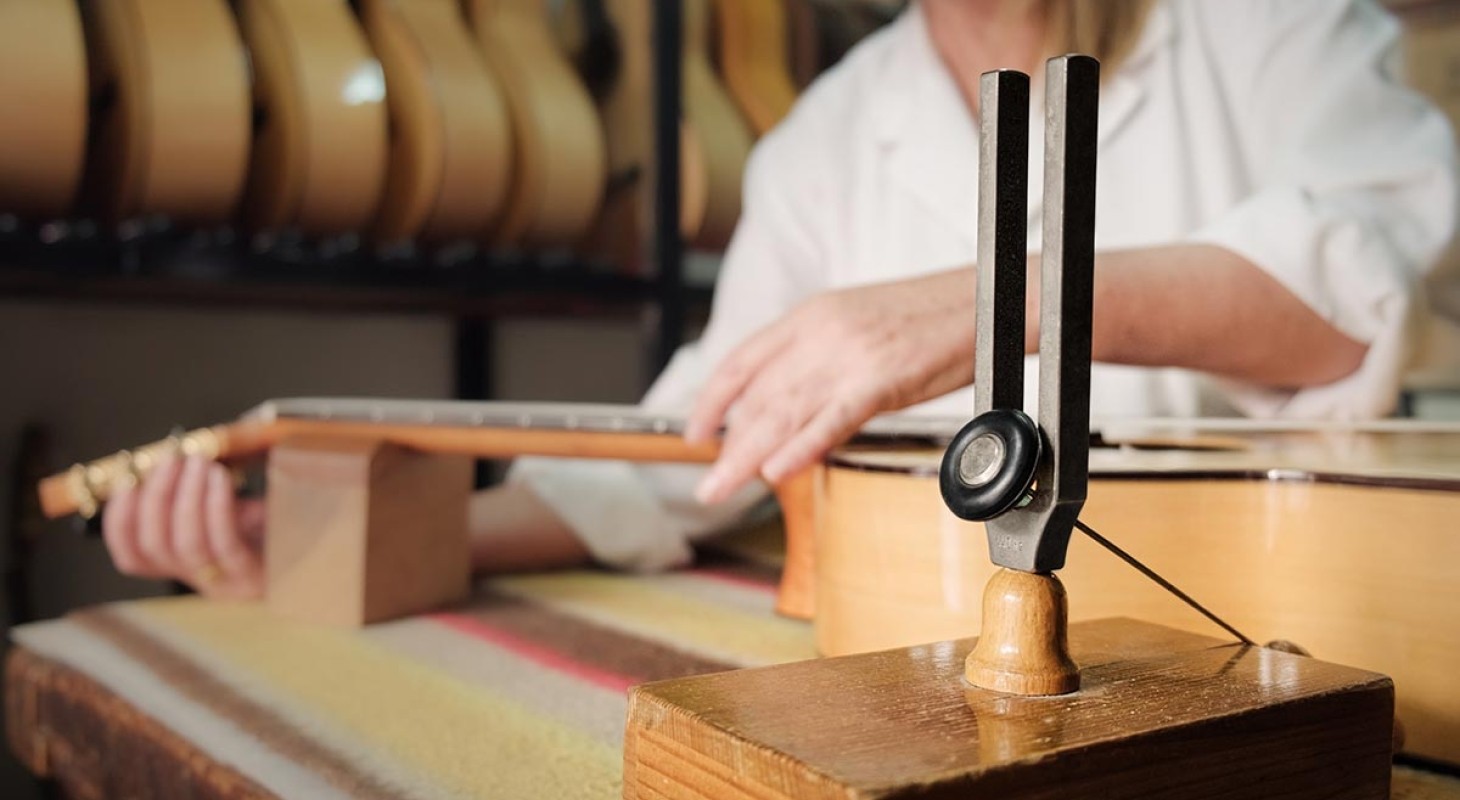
point(362, 531)
point(1024, 648)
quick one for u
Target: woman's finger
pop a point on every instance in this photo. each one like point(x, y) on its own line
point(189, 537)
point(119, 531)
point(154, 516)
point(834, 424)
point(758, 429)
point(730, 379)
point(237, 561)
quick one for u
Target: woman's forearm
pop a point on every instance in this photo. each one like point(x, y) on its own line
point(512, 530)
point(1206, 308)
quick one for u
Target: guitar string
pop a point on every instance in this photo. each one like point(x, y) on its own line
point(1160, 581)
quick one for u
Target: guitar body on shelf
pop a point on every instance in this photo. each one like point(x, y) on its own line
point(43, 88)
point(755, 60)
point(451, 142)
point(714, 142)
point(721, 139)
point(319, 150)
point(1341, 541)
point(559, 170)
point(170, 80)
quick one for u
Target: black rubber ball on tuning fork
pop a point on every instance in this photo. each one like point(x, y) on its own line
point(989, 467)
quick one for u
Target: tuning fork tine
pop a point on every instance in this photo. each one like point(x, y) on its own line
point(1067, 276)
point(1028, 480)
point(1003, 198)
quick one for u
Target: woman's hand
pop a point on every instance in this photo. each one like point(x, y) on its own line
point(806, 383)
point(185, 523)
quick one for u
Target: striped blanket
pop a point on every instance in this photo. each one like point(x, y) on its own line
point(518, 693)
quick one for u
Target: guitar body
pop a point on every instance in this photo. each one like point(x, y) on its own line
point(722, 140)
point(754, 59)
point(560, 167)
point(621, 233)
point(173, 136)
point(43, 86)
point(319, 151)
point(714, 142)
point(1354, 561)
point(451, 142)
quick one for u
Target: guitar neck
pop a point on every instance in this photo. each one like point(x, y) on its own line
point(478, 429)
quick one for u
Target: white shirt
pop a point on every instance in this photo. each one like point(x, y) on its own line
point(1273, 128)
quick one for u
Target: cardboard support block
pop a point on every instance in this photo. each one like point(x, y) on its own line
point(363, 531)
point(1160, 713)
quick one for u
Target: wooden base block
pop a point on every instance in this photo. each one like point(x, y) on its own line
point(362, 531)
point(1160, 713)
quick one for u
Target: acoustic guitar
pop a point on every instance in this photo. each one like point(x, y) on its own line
point(1340, 538)
point(170, 96)
point(719, 133)
point(754, 59)
point(714, 142)
point(450, 160)
point(43, 88)
point(319, 149)
point(560, 169)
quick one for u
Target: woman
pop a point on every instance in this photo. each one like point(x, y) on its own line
point(1270, 202)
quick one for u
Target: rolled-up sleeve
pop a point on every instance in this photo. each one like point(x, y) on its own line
point(644, 516)
point(1356, 188)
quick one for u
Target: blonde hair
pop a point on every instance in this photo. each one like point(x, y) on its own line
point(1105, 29)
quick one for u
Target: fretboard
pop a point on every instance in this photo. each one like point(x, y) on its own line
point(598, 418)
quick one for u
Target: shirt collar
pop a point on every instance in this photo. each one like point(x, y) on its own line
point(921, 117)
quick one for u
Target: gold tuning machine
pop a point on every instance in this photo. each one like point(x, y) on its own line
point(91, 484)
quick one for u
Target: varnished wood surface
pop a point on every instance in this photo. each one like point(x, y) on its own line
point(1161, 713)
point(1359, 574)
point(173, 133)
point(43, 92)
point(755, 59)
point(621, 232)
point(559, 164)
point(714, 141)
point(796, 595)
point(319, 151)
point(720, 136)
point(451, 141)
